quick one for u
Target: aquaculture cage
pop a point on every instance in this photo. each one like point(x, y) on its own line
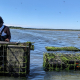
point(14, 60)
point(60, 61)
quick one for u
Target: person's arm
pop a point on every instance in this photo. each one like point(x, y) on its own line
point(8, 34)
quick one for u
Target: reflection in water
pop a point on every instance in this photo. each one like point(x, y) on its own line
point(70, 75)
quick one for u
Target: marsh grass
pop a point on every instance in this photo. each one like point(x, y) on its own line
point(71, 48)
point(60, 61)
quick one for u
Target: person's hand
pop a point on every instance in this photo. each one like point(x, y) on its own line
point(7, 40)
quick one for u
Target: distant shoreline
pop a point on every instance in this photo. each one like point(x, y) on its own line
point(13, 27)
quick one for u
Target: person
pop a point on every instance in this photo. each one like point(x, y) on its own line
point(5, 34)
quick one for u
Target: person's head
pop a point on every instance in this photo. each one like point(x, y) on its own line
point(1, 21)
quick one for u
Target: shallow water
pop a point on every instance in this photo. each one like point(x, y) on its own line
point(46, 38)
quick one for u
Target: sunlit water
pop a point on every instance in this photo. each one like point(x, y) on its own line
point(46, 38)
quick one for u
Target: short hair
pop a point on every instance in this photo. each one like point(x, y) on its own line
point(1, 20)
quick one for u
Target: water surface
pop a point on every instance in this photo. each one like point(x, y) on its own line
point(44, 38)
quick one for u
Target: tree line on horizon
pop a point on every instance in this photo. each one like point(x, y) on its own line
point(14, 27)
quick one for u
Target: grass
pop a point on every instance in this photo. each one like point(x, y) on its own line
point(60, 61)
point(71, 48)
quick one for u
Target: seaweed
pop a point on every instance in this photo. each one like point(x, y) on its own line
point(60, 61)
point(71, 48)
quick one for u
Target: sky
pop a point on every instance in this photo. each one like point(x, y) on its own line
point(50, 14)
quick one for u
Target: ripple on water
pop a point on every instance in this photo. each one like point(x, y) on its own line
point(42, 39)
